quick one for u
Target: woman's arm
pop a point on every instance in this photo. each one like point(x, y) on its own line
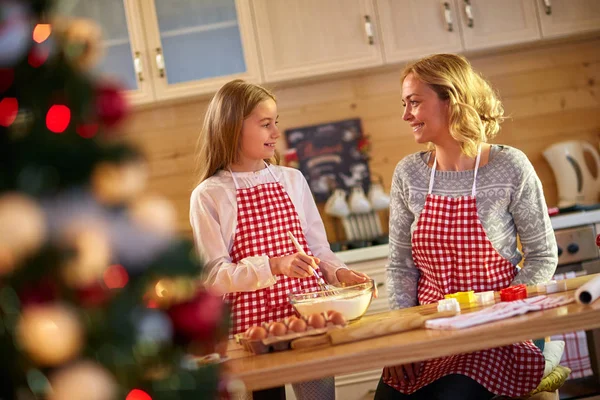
point(402, 274)
point(530, 214)
point(221, 274)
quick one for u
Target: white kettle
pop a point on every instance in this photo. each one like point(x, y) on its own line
point(575, 182)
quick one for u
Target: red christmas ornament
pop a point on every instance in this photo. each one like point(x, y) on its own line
point(94, 295)
point(38, 55)
point(87, 131)
point(7, 76)
point(58, 118)
point(199, 318)
point(41, 292)
point(116, 277)
point(111, 105)
point(9, 107)
point(137, 394)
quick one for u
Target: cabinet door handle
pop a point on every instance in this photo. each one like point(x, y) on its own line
point(369, 29)
point(448, 16)
point(469, 13)
point(160, 62)
point(137, 66)
point(548, 6)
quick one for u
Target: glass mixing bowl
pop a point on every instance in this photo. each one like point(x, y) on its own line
point(352, 301)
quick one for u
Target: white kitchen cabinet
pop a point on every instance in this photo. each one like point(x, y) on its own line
point(411, 29)
point(123, 41)
point(494, 23)
point(302, 38)
point(164, 49)
point(565, 17)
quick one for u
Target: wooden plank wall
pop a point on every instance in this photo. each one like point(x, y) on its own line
point(549, 92)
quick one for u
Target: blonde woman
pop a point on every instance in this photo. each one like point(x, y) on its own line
point(456, 212)
point(241, 212)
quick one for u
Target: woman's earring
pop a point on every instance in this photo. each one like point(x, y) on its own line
point(336, 204)
point(359, 204)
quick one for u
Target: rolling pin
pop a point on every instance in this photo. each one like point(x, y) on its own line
point(369, 330)
point(563, 285)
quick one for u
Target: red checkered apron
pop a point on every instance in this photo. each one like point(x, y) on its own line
point(265, 213)
point(452, 252)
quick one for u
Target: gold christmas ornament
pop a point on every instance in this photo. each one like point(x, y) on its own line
point(83, 41)
point(84, 380)
point(91, 254)
point(155, 214)
point(168, 291)
point(22, 230)
point(114, 183)
point(50, 334)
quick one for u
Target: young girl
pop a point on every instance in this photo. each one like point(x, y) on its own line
point(242, 211)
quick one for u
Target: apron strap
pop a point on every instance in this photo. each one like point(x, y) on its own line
point(235, 180)
point(237, 187)
point(474, 189)
point(432, 175)
point(271, 171)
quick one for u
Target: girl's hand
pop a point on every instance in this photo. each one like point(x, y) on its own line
point(402, 374)
point(295, 265)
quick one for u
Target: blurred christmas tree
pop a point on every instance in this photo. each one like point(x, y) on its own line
point(99, 300)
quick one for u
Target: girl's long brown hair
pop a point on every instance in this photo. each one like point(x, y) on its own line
point(219, 139)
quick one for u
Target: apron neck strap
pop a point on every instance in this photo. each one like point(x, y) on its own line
point(235, 182)
point(474, 188)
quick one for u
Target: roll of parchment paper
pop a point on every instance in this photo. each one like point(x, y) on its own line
point(589, 292)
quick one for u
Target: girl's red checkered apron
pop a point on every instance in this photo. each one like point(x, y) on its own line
point(265, 213)
point(452, 252)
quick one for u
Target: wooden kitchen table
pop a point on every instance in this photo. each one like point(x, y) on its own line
point(278, 368)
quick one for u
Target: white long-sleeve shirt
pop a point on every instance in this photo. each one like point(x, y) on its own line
point(213, 216)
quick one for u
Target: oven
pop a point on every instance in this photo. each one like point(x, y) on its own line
point(579, 255)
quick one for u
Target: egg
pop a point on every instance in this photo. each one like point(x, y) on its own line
point(277, 329)
point(316, 320)
point(337, 318)
point(288, 320)
point(256, 333)
point(328, 313)
point(297, 325)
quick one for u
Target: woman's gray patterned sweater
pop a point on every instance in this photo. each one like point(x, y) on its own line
point(510, 202)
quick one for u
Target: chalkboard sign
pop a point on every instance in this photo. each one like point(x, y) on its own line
point(329, 157)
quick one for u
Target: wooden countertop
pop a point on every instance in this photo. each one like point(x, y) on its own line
point(278, 368)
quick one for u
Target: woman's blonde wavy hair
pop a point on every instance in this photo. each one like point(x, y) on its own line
point(475, 112)
point(219, 140)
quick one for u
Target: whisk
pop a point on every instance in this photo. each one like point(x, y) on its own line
point(300, 250)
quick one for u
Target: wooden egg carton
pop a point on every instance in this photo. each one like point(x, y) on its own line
point(283, 342)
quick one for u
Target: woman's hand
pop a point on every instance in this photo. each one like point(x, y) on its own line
point(295, 265)
point(402, 374)
point(351, 277)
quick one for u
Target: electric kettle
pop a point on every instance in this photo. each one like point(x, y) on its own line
point(576, 183)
